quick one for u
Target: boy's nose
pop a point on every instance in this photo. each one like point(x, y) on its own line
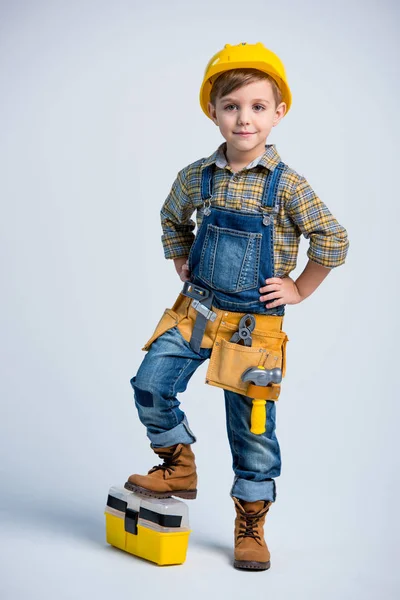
point(243, 118)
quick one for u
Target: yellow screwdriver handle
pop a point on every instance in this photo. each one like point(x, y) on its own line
point(258, 417)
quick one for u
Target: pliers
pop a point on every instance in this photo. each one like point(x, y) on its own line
point(244, 331)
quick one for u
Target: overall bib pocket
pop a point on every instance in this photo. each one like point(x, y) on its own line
point(230, 259)
point(229, 360)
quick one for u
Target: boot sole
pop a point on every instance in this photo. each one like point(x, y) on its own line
point(186, 494)
point(252, 565)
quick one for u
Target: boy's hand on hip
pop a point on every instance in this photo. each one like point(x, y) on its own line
point(182, 267)
point(278, 291)
point(185, 273)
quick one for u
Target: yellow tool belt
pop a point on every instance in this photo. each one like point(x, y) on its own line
point(229, 360)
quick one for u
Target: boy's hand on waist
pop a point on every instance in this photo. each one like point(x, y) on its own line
point(278, 291)
point(182, 268)
point(185, 273)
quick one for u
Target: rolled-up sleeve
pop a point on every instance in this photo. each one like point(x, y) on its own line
point(177, 226)
point(329, 242)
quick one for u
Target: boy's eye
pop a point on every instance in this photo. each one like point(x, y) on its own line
point(230, 105)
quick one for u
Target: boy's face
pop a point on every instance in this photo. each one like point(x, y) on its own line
point(250, 108)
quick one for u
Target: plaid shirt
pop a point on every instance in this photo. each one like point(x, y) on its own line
point(300, 210)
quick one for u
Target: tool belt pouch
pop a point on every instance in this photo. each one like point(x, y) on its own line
point(169, 319)
point(229, 360)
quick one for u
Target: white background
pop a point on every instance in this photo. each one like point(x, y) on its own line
point(99, 112)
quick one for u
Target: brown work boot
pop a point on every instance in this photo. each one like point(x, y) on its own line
point(175, 477)
point(251, 551)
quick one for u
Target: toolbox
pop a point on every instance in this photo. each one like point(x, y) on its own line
point(152, 528)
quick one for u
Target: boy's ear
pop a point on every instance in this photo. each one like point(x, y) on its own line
point(212, 112)
point(279, 113)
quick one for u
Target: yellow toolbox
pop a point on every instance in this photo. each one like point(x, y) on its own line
point(152, 528)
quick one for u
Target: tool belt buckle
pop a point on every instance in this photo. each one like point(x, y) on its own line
point(198, 293)
point(209, 314)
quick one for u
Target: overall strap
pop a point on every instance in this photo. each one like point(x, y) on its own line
point(271, 186)
point(207, 177)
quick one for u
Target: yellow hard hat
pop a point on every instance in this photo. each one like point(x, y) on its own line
point(239, 56)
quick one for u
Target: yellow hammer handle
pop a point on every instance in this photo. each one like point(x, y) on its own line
point(258, 416)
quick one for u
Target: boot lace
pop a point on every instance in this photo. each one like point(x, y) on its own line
point(249, 527)
point(170, 462)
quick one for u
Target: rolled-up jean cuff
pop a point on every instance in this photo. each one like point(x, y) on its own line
point(181, 434)
point(250, 491)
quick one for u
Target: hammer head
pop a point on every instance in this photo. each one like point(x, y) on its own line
point(261, 376)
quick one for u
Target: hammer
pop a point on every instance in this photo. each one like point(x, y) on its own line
point(260, 376)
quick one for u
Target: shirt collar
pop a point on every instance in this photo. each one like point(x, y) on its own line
point(269, 159)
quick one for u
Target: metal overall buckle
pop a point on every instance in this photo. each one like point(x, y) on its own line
point(207, 206)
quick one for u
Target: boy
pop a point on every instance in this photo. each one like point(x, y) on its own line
point(251, 210)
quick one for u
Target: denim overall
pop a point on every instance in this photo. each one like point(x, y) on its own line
point(233, 253)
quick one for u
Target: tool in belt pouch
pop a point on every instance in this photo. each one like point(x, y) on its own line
point(252, 369)
point(204, 312)
point(257, 376)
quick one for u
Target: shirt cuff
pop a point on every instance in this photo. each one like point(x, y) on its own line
point(176, 245)
point(328, 251)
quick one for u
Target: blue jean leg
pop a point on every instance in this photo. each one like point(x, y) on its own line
point(165, 371)
point(256, 459)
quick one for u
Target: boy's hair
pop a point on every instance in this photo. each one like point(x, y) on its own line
point(229, 81)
